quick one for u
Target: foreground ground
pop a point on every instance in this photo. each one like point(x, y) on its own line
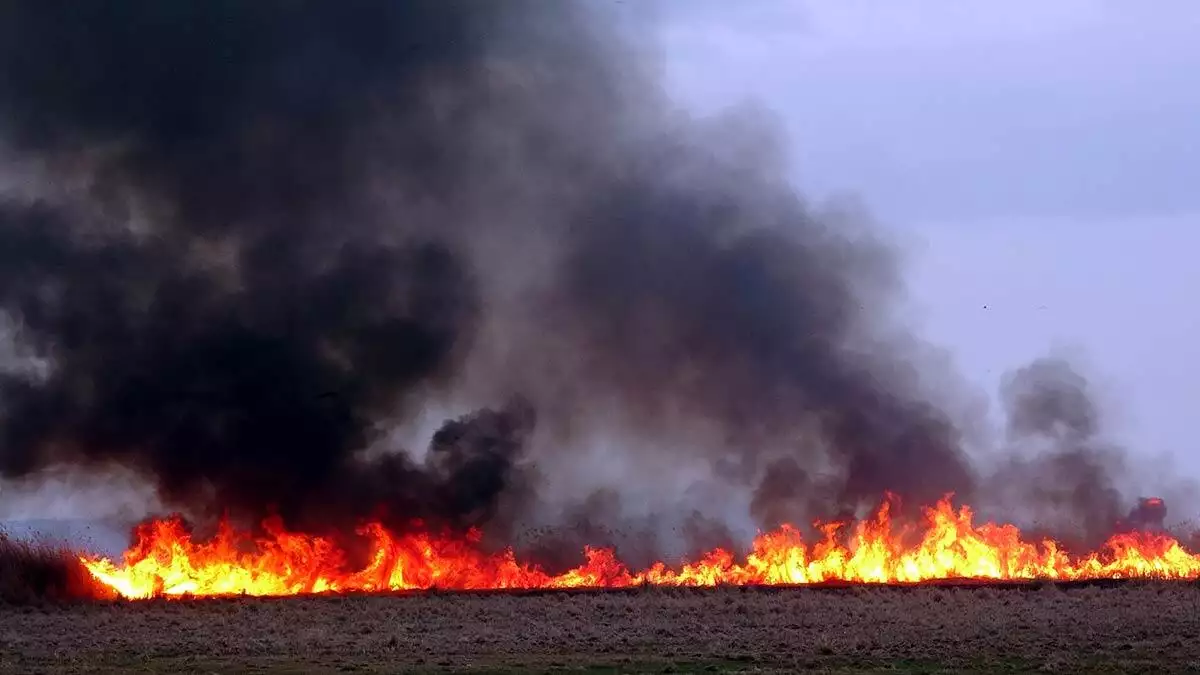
point(1130, 628)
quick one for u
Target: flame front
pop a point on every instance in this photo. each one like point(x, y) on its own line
point(166, 561)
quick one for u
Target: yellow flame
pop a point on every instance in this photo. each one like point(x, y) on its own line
point(166, 561)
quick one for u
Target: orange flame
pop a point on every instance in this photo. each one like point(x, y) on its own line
point(166, 561)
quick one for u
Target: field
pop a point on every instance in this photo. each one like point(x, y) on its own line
point(1135, 627)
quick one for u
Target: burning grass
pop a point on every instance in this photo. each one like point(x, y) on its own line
point(1129, 627)
point(166, 560)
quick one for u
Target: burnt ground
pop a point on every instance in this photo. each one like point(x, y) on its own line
point(1135, 627)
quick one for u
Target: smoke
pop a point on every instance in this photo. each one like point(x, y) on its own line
point(302, 224)
point(221, 311)
point(1060, 466)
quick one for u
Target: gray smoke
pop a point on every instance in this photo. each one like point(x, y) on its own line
point(1061, 467)
point(301, 223)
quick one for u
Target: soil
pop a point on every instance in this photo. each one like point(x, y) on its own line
point(1135, 627)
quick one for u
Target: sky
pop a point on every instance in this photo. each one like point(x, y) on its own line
point(1038, 160)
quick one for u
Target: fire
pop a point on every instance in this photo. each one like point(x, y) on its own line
point(166, 561)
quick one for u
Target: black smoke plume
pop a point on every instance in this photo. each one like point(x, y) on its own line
point(257, 236)
point(240, 348)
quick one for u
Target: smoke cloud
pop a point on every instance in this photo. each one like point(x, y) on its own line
point(266, 235)
point(1060, 466)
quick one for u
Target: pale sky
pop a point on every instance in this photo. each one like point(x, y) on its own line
point(1044, 155)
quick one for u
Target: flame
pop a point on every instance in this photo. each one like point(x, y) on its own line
point(166, 561)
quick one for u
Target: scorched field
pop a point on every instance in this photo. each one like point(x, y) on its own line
point(1130, 627)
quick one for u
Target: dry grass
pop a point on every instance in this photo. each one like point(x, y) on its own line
point(1130, 628)
point(32, 571)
